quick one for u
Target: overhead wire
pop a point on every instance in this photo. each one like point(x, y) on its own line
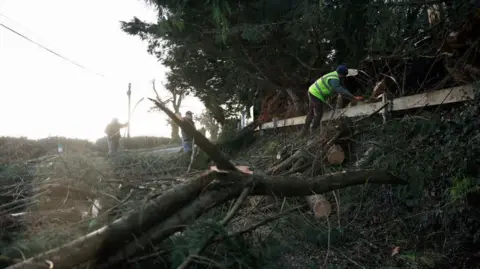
point(47, 49)
point(24, 36)
point(11, 29)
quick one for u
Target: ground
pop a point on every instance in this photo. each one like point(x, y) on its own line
point(430, 223)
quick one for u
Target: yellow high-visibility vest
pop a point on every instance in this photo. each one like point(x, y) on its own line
point(321, 88)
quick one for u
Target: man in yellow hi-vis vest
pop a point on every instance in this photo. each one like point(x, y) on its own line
point(320, 91)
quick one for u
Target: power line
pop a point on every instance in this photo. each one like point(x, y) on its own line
point(49, 50)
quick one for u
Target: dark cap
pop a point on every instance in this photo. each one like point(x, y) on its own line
point(342, 69)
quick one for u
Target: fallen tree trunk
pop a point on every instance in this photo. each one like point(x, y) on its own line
point(170, 212)
point(335, 155)
point(300, 186)
point(174, 224)
point(110, 238)
point(320, 206)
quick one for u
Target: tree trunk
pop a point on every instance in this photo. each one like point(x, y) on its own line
point(214, 132)
point(175, 129)
point(296, 101)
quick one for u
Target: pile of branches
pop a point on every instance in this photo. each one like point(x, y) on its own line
point(49, 201)
point(326, 148)
point(445, 55)
point(168, 213)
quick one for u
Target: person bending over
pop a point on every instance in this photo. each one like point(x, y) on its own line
point(319, 93)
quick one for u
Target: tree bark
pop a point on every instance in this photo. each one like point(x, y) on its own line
point(300, 186)
point(175, 135)
point(174, 224)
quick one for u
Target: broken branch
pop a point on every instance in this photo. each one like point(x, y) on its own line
point(200, 140)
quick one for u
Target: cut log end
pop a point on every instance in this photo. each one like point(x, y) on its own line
point(320, 206)
point(335, 155)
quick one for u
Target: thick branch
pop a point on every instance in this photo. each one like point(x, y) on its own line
point(174, 224)
point(297, 186)
point(109, 238)
point(202, 142)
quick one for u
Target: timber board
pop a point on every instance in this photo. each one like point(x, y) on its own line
point(445, 96)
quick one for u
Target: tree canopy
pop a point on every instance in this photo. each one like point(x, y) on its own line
point(226, 52)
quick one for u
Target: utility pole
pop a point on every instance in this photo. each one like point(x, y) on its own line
point(129, 93)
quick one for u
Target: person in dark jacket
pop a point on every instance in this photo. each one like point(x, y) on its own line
point(113, 135)
point(187, 140)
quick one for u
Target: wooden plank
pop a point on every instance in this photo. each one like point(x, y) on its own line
point(286, 122)
point(360, 110)
point(445, 96)
point(354, 111)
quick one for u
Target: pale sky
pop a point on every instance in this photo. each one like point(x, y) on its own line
point(43, 95)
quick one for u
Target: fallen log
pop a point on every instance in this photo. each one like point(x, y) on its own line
point(320, 206)
point(335, 155)
point(170, 212)
point(292, 186)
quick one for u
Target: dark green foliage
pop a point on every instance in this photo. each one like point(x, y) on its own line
point(434, 219)
point(226, 51)
point(209, 123)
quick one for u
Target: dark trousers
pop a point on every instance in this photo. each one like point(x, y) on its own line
point(315, 113)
